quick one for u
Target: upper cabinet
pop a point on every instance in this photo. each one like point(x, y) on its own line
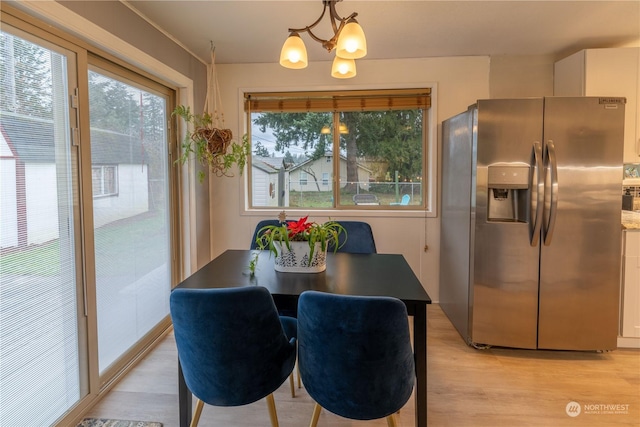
point(605, 72)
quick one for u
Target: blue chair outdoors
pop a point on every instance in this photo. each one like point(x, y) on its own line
point(232, 346)
point(358, 240)
point(355, 355)
point(404, 201)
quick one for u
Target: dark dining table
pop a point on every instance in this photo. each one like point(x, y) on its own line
point(346, 274)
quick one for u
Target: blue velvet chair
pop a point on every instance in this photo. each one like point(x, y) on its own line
point(283, 313)
point(254, 246)
point(355, 355)
point(359, 238)
point(232, 346)
point(259, 226)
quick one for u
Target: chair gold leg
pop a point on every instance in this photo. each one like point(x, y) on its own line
point(273, 416)
point(391, 421)
point(196, 414)
point(299, 380)
point(316, 415)
point(293, 388)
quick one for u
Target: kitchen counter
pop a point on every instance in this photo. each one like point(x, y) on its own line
point(631, 220)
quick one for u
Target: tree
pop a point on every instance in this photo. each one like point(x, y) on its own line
point(299, 129)
point(113, 105)
point(288, 158)
point(25, 73)
point(260, 150)
point(395, 136)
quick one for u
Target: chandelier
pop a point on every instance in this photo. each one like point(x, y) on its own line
point(348, 41)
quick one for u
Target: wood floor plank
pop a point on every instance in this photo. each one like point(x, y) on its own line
point(466, 388)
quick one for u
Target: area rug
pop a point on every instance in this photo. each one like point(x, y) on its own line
point(105, 422)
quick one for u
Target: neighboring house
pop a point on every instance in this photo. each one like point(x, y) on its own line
point(268, 185)
point(28, 179)
point(119, 167)
point(315, 175)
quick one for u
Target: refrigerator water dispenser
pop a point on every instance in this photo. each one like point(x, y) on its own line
point(508, 192)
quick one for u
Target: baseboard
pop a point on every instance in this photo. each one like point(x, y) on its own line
point(624, 342)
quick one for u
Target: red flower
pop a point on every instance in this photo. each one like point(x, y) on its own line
point(298, 227)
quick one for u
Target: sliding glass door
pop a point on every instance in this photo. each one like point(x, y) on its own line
point(41, 366)
point(130, 182)
point(87, 254)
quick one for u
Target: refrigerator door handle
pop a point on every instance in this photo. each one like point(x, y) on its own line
point(551, 166)
point(536, 213)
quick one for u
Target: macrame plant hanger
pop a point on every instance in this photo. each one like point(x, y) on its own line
point(217, 136)
point(213, 98)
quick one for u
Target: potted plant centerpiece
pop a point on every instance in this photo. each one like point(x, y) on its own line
point(212, 145)
point(300, 246)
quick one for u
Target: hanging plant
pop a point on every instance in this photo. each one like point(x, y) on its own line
point(211, 145)
point(206, 136)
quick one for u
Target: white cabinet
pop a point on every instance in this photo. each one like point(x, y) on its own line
point(605, 72)
point(630, 292)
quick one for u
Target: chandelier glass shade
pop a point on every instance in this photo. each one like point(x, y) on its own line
point(343, 68)
point(294, 53)
point(348, 41)
point(352, 43)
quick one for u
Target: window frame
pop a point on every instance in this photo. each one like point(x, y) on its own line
point(428, 207)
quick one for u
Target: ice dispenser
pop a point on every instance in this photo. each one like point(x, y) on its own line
point(508, 192)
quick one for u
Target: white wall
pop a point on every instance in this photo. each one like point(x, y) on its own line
point(260, 188)
point(521, 76)
point(41, 182)
point(458, 82)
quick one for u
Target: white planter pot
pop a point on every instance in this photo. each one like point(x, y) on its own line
point(297, 259)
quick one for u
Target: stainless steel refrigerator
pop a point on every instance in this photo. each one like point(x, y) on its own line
point(530, 239)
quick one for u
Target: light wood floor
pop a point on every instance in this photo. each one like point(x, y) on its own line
point(466, 387)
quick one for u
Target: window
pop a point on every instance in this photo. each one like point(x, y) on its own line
point(105, 180)
point(377, 155)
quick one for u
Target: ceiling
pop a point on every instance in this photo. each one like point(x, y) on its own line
point(253, 31)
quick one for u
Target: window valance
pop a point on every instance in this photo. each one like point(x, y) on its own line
point(380, 100)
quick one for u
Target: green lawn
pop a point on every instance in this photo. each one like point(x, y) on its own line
point(43, 260)
point(132, 245)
